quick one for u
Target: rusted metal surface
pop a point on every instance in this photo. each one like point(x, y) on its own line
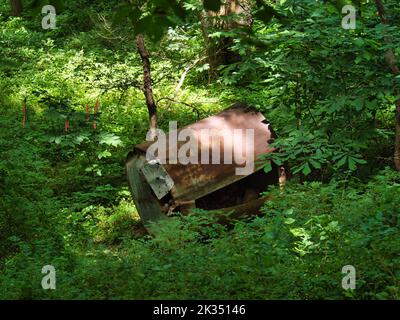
point(159, 186)
point(193, 181)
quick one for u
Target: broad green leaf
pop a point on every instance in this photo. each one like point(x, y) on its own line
point(315, 164)
point(342, 161)
point(352, 164)
point(268, 167)
point(103, 154)
point(306, 169)
point(289, 221)
point(110, 139)
point(360, 161)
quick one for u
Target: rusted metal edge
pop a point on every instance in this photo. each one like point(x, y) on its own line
point(193, 181)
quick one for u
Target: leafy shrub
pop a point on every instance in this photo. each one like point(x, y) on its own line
point(296, 251)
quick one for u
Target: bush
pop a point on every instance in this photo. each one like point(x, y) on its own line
point(296, 251)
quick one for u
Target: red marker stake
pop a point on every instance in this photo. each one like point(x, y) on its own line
point(96, 109)
point(87, 113)
point(66, 124)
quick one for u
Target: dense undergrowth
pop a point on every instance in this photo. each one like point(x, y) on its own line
point(64, 200)
point(296, 251)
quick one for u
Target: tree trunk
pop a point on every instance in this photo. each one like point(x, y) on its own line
point(219, 52)
point(391, 61)
point(397, 137)
point(147, 84)
point(16, 8)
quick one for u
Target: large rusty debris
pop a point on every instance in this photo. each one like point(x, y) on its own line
point(161, 186)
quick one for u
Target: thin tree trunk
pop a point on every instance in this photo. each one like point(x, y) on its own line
point(147, 84)
point(16, 8)
point(391, 61)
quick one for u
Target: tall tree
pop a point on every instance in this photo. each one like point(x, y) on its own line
point(16, 8)
point(229, 15)
point(391, 61)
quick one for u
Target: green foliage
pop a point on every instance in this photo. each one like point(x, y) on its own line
point(327, 88)
point(64, 198)
point(296, 251)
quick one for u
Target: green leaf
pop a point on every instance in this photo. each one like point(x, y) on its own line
point(342, 161)
point(79, 139)
point(268, 167)
point(358, 104)
point(352, 164)
point(315, 164)
point(104, 154)
point(358, 60)
point(367, 56)
point(359, 42)
point(14, 239)
point(110, 139)
point(289, 211)
point(289, 221)
point(360, 161)
point(306, 169)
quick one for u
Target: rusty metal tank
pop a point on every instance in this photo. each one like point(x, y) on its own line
point(161, 185)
